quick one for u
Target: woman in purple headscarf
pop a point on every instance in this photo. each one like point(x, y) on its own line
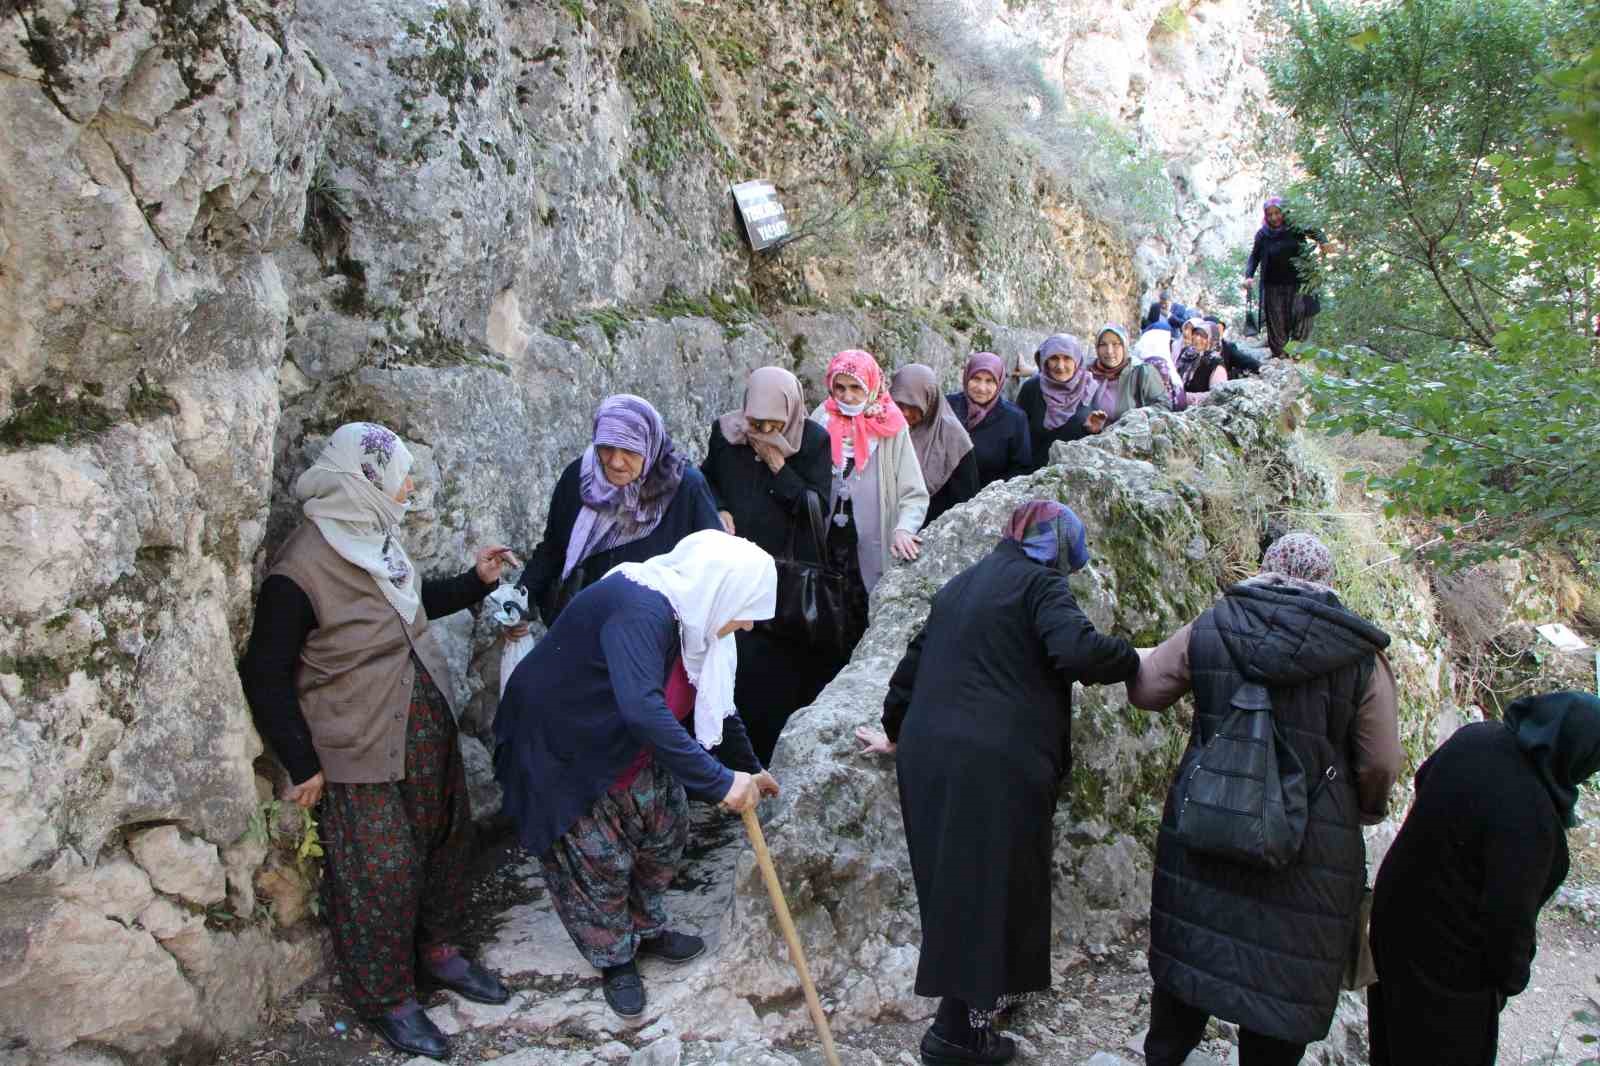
point(1278, 248)
point(628, 498)
point(1056, 399)
point(979, 717)
point(998, 428)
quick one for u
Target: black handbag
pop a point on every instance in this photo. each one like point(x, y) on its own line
point(1244, 799)
point(560, 593)
point(812, 595)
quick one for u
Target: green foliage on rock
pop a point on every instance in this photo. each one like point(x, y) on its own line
point(1450, 147)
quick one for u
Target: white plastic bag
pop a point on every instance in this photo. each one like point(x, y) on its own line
point(508, 605)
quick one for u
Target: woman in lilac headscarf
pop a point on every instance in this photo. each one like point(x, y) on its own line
point(979, 717)
point(628, 498)
point(998, 428)
point(1056, 399)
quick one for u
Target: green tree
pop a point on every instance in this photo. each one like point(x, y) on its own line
point(1450, 150)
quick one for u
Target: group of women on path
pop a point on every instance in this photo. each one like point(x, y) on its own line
point(661, 678)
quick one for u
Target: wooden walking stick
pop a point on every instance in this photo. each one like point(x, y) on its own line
point(758, 840)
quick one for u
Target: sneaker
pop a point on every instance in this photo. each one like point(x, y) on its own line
point(981, 1046)
point(624, 989)
point(673, 947)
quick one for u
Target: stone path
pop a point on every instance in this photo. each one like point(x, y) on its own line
point(557, 1017)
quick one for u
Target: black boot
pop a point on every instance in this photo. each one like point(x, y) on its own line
point(953, 1041)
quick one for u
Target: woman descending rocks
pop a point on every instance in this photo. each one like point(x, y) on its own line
point(629, 497)
point(998, 428)
point(1277, 250)
point(979, 716)
point(1119, 384)
point(762, 461)
point(604, 730)
point(350, 690)
point(878, 500)
point(1056, 399)
point(1456, 904)
point(944, 450)
point(1266, 948)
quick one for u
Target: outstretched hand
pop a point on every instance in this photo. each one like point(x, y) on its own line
point(493, 562)
point(874, 741)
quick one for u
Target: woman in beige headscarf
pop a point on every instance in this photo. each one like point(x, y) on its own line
point(763, 460)
point(352, 694)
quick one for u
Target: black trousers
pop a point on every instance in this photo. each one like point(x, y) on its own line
point(1176, 1029)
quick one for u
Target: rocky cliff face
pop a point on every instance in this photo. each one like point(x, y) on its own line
point(227, 226)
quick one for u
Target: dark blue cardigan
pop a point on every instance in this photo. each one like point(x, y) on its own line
point(1000, 441)
point(584, 702)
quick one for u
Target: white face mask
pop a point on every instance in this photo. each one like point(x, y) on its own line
point(851, 409)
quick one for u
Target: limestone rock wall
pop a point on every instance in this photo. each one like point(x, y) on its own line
point(226, 226)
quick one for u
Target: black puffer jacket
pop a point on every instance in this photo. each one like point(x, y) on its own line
point(1267, 949)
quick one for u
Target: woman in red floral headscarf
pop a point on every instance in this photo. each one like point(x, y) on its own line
point(879, 498)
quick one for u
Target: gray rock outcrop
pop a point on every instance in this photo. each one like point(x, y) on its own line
point(226, 226)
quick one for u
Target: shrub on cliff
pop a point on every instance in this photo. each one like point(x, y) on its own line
point(1450, 148)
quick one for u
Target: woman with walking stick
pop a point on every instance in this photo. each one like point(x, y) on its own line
point(605, 729)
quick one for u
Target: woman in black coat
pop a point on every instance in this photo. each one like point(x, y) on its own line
point(1457, 900)
point(628, 498)
point(1056, 399)
point(762, 462)
point(979, 714)
point(998, 428)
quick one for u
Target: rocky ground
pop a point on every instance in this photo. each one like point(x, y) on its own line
point(1093, 1016)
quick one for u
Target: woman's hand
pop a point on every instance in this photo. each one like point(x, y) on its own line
point(493, 561)
point(769, 455)
point(766, 784)
point(1096, 422)
point(308, 792)
point(727, 522)
point(742, 795)
point(905, 545)
point(874, 742)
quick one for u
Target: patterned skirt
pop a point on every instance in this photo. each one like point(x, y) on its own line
point(608, 874)
point(396, 857)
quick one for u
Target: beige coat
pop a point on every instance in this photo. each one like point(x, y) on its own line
point(902, 493)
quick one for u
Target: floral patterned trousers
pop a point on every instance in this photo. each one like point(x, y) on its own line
point(608, 874)
point(396, 856)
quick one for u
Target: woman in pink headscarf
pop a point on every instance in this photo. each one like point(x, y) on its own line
point(879, 498)
point(998, 427)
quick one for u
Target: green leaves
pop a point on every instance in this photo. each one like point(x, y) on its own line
point(1360, 41)
point(1456, 168)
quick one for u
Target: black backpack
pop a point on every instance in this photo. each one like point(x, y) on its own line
point(1244, 799)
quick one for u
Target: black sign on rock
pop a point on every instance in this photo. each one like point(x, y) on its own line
point(764, 221)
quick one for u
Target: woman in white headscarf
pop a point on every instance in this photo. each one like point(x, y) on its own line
point(352, 694)
point(607, 725)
